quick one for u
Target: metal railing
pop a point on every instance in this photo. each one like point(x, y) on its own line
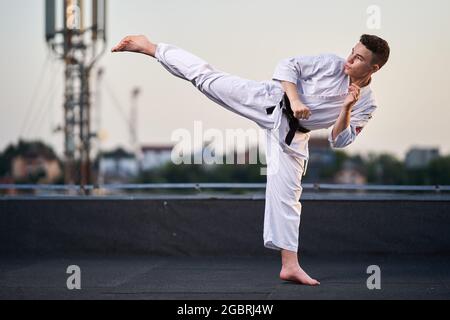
point(199, 187)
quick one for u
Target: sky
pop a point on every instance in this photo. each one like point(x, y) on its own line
point(245, 38)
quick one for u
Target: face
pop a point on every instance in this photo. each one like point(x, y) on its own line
point(359, 63)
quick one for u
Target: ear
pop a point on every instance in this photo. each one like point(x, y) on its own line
point(375, 68)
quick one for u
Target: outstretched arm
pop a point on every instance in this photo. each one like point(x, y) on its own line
point(138, 44)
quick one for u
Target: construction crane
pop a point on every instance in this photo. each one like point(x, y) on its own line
point(79, 41)
point(133, 126)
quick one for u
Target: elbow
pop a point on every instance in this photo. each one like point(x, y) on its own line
point(343, 139)
point(286, 71)
point(340, 145)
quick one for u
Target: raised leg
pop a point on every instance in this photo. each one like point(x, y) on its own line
point(247, 98)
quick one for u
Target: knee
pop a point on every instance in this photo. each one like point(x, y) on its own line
point(204, 76)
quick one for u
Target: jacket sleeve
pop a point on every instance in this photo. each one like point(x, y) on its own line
point(357, 123)
point(295, 68)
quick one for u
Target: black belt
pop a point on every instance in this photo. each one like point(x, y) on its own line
point(294, 123)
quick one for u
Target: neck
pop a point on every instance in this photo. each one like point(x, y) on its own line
point(361, 82)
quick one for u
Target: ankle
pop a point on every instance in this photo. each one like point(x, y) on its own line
point(289, 259)
point(291, 266)
point(151, 50)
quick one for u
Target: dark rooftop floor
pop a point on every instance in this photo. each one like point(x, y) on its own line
point(208, 248)
point(240, 278)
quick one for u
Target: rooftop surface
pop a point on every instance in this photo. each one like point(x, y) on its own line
point(208, 246)
point(217, 278)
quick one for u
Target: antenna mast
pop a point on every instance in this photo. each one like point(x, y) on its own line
point(74, 39)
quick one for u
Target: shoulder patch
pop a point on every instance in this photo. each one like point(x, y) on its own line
point(358, 130)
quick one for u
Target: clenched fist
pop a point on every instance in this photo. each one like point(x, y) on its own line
point(300, 110)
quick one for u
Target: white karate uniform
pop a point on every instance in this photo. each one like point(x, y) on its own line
point(322, 86)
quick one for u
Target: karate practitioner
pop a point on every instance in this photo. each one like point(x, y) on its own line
point(306, 93)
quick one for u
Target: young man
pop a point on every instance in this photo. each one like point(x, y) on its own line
point(306, 93)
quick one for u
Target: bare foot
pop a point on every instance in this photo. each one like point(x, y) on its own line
point(298, 275)
point(138, 44)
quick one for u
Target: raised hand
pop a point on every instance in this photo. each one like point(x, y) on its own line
point(353, 96)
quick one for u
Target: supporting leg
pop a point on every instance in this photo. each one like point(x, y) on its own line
point(283, 210)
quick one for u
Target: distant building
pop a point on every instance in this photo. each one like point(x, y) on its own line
point(320, 150)
point(417, 158)
point(154, 156)
point(320, 156)
point(117, 166)
point(36, 163)
point(350, 174)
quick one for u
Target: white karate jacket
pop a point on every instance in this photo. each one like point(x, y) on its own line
point(322, 86)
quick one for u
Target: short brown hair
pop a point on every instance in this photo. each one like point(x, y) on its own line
point(379, 47)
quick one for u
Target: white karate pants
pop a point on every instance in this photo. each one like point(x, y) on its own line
point(248, 98)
